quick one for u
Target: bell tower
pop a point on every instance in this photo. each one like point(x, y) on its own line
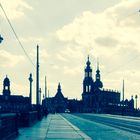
point(98, 83)
point(6, 87)
point(88, 81)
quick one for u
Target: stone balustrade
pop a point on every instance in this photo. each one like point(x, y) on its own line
point(8, 126)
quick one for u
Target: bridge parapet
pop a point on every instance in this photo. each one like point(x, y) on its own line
point(8, 126)
point(28, 119)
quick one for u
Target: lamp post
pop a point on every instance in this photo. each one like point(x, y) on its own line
point(40, 96)
point(37, 77)
point(30, 94)
point(1, 38)
point(123, 98)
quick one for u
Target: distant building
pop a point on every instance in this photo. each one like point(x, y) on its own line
point(95, 98)
point(56, 104)
point(12, 103)
point(75, 106)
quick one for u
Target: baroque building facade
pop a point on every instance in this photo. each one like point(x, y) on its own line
point(97, 99)
point(94, 97)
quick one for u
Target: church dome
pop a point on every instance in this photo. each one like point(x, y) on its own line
point(98, 84)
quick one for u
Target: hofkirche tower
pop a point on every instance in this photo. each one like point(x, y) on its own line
point(94, 97)
point(88, 81)
point(98, 82)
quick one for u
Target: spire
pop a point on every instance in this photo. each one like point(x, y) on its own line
point(88, 70)
point(97, 71)
point(88, 62)
point(97, 64)
point(59, 87)
point(98, 82)
point(88, 57)
point(59, 92)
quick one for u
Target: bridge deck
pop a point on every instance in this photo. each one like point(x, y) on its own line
point(52, 127)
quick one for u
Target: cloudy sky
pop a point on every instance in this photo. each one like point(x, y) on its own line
point(67, 31)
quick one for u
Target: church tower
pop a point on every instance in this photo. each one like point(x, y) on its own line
point(59, 92)
point(98, 83)
point(60, 102)
point(6, 87)
point(88, 81)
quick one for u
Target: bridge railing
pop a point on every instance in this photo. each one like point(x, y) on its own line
point(8, 126)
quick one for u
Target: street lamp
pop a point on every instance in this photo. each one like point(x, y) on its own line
point(1, 38)
point(136, 97)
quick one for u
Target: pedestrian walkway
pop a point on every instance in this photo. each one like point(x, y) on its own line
point(54, 127)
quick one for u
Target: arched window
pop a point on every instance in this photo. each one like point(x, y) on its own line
point(90, 74)
point(89, 88)
point(86, 88)
point(86, 74)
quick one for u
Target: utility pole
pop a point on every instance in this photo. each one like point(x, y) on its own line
point(123, 93)
point(48, 94)
point(45, 87)
point(123, 98)
point(37, 77)
point(40, 96)
point(30, 94)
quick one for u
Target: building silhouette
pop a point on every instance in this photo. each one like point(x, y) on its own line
point(56, 104)
point(12, 103)
point(94, 97)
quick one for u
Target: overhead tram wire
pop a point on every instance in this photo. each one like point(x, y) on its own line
point(17, 36)
point(123, 65)
point(130, 60)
